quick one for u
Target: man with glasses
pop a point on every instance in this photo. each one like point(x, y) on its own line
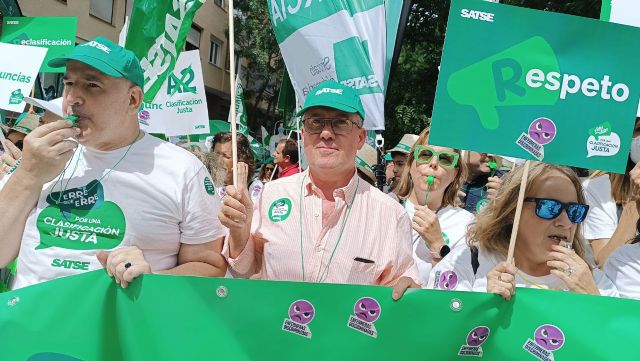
point(324, 224)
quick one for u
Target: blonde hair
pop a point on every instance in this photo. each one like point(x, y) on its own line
point(405, 184)
point(492, 228)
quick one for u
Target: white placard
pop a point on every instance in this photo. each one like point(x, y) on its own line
point(19, 65)
point(180, 107)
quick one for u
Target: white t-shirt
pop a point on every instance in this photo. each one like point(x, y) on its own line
point(623, 269)
point(455, 272)
point(158, 197)
point(453, 223)
point(602, 218)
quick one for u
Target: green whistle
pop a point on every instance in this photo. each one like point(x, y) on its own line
point(493, 165)
point(73, 119)
point(430, 180)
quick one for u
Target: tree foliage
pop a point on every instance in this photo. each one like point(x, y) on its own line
point(258, 46)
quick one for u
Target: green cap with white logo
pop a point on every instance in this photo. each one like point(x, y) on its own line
point(107, 57)
point(332, 94)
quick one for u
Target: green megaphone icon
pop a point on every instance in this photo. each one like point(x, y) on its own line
point(499, 80)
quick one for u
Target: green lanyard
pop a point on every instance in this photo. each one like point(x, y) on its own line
point(73, 172)
point(325, 273)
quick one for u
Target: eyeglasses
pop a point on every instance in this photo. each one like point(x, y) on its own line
point(340, 126)
point(547, 208)
point(424, 154)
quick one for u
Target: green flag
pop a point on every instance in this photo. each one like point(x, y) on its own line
point(242, 120)
point(159, 31)
point(159, 317)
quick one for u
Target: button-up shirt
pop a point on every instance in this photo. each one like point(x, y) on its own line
point(369, 244)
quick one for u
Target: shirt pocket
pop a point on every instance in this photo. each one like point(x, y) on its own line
point(362, 273)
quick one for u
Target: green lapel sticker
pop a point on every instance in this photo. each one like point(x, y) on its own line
point(280, 210)
point(209, 187)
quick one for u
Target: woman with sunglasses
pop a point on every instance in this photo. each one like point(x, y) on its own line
point(549, 248)
point(428, 188)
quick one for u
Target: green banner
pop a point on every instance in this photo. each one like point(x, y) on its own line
point(58, 34)
point(89, 317)
point(157, 33)
point(537, 85)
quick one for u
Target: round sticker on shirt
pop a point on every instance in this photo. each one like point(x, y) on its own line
point(448, 280)
point(208, 186)
point(280, 210)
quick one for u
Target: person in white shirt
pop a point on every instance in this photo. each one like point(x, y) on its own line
point(549, 248)
point(429, 186)
point(113, 197)
point(613, 215)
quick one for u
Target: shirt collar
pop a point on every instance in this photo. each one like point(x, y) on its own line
point(286, 169)
point(345, 193)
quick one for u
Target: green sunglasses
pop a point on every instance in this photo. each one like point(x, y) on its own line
point(424, 154)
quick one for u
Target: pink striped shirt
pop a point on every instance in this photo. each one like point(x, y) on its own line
point(375, 247)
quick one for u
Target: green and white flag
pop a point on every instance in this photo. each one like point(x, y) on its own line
point(161, 29)
point(242, 120)
point(537, 85)
point(181, 105)
point(344, 40)
point(19, 66)
point(58, 34)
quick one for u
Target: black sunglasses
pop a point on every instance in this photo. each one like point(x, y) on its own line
point(547, 208)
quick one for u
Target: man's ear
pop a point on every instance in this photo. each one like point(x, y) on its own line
point(136, 98)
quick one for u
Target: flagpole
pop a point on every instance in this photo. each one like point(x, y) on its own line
point(232, 108)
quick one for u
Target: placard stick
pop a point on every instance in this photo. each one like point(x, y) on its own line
point(232, 108)
point(516, 219)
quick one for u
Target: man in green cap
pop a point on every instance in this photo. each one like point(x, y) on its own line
point(325, 224)
point(95, 191)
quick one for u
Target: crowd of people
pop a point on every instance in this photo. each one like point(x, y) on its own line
point(101, 193)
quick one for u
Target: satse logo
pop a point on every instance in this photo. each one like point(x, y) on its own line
point(329, 90)
point(478, 15)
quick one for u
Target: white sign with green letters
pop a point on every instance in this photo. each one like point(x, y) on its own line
point(19, 65)
point(180, 107)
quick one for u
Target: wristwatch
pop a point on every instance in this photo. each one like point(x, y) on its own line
point(444, 250)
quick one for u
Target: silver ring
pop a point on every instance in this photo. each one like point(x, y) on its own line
point(568, 271)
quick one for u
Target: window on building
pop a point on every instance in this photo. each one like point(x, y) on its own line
point(193, 39)
point(220, 3)
point(228, 61)
point(102, 9)
point(214, 53)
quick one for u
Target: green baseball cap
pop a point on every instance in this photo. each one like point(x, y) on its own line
point(107, 57)
point(332, 94)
